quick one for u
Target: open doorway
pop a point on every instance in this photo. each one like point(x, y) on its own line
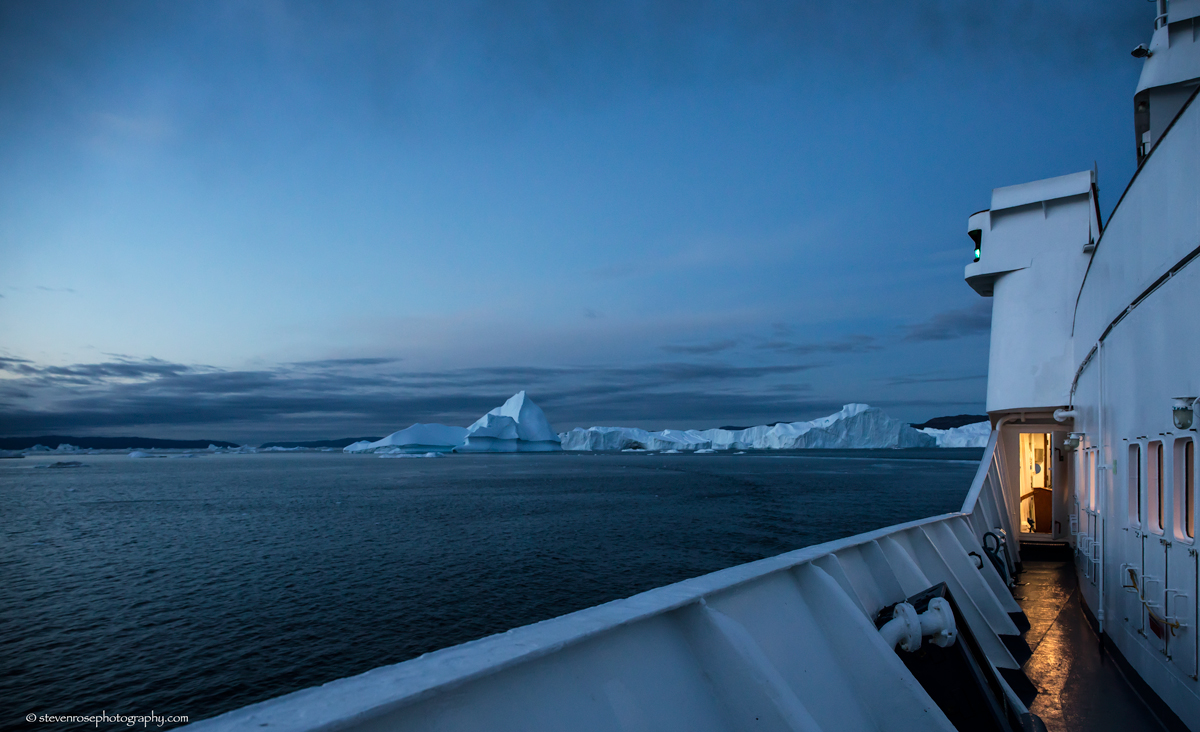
point(1037, 481)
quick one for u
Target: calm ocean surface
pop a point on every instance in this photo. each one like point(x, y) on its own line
point(196, 586)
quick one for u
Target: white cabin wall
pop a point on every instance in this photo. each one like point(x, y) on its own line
point(1137, 401)
point(1031, 358)
point(1150, 355)
point(1152, 229)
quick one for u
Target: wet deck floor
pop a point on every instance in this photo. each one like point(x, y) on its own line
point(1080, 686)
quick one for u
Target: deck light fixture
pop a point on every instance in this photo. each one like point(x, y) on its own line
point(1141, 51)
point(1073, 439)
point(1183, 412)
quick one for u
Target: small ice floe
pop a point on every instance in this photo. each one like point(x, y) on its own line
point(64, 464)
point(670, 452)
point(144, 454)
point(243, 450)
point(706, 451)
point(411, 454)
point(740, 452)
point(184, 455)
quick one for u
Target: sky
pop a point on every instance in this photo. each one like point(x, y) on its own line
point(256, 221)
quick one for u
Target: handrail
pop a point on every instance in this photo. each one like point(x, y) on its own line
point(985, 466)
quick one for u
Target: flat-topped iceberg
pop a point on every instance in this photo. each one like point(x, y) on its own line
point(969, 435)
point(855, 426)
point(419, 438)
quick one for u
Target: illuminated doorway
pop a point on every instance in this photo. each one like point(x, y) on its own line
point(1037, 481)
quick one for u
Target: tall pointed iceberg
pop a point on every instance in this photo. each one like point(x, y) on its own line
point(518, 425)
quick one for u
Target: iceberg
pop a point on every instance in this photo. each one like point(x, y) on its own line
point(418, 438)
point(605, 438)
point(857, 426)
point(969, 435)
point(518, 425)
point(242, 450)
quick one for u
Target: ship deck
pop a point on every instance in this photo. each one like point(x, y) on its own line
point(1081, 686)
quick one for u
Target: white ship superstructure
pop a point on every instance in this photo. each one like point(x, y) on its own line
point(1093, 379)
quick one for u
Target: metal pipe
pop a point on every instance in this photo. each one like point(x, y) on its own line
point(906, 627)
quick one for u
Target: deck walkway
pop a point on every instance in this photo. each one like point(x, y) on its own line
point(1080, 686)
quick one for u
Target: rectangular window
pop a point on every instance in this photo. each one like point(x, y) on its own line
point(1091, 478)
point(1155, 478)
point(1135, 483)
point(1187, 481)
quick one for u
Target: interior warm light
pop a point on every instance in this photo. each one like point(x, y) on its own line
point(1183, 412)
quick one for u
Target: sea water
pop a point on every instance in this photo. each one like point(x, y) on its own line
point(189, 587)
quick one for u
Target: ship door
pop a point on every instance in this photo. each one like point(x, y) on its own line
point(1037, 483)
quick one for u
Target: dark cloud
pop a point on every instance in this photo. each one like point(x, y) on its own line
point(952, 324)
point(315, 401)
point(925, 379)
point(848, 344)
point(702, 348)
point(331, 363)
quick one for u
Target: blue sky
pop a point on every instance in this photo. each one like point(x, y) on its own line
point(257, 221)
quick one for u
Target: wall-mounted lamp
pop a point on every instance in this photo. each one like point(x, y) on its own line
point(1073, 439)
point(1183, 411)
point(1141, 51)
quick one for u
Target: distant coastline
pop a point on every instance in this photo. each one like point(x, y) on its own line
point(151, 443)
point(107, 443)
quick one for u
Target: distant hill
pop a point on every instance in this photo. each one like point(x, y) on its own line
point(321, 443)
point(949, 423)
point(107, 443)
